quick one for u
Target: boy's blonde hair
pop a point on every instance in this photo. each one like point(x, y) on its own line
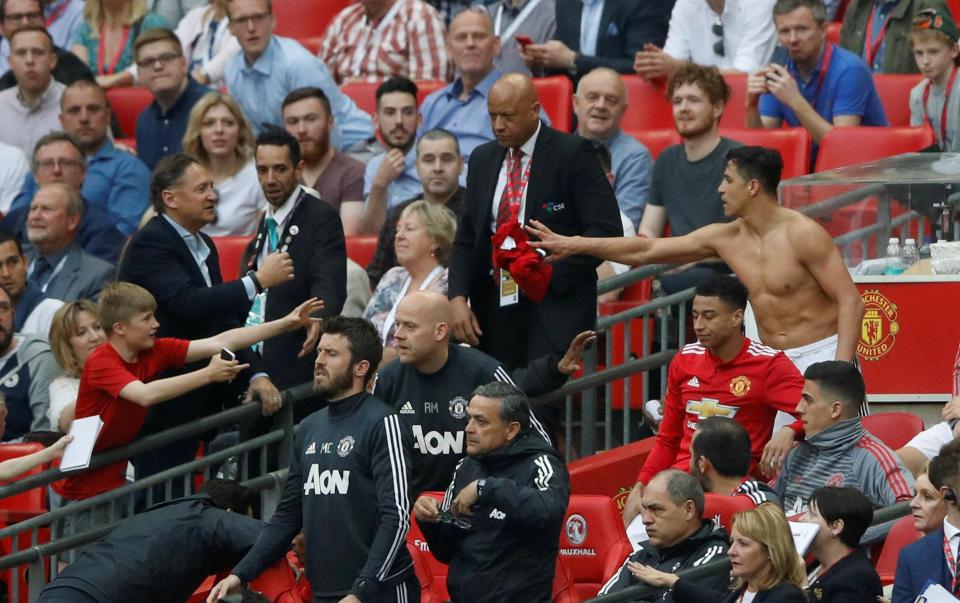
point(918, 36)
point(120, 302)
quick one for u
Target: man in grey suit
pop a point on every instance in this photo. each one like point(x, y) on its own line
point(59, 266)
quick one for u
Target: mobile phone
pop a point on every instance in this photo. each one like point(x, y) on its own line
point(780, 56)
point(523, 40)
point(226, 354)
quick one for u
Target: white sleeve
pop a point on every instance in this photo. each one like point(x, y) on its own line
point(39, 321)
point(929, 441)
point(13, 171)
point(678, 36)
point(63, 393)
point(759, 36)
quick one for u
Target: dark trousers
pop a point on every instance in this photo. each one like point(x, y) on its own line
point(405, 592)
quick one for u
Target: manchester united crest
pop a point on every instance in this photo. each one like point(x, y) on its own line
point(878, 331)
point(458, 407)
point(345, 446)
point(739, 386)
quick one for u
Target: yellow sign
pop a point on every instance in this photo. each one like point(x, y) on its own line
point(878, 331)
point(739, 386)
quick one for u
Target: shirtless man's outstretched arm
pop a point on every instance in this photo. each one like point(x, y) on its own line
point(633, 251)
point(818, 253)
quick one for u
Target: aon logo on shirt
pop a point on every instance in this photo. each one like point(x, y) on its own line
point(329, 481)
point(436, 442)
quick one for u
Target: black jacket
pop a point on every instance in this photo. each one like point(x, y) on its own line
point(850, 580)
point(313, 236)
point(434, 407)
point(510, 550)
point(161, 555)
point(705, 545)
point(347, 489)
point(687, 591)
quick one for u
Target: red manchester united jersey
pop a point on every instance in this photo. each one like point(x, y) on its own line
point(749, 389)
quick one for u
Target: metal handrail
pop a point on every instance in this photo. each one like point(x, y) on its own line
point(634, 275)
point(620, 371)
point(642, 591)
point(660, 303)
point(154, 441)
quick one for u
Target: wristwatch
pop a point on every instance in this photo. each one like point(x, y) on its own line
point(256, 283)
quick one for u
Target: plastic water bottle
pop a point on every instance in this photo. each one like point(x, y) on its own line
point(910, 253)
point(894, 263)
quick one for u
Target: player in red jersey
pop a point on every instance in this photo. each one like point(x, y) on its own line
point(723, 374)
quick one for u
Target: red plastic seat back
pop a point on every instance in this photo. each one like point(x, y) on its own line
point(647, 106)
point(593, 543)
point(900, 535)
point(721, 509)
point(556, 98)
point(894, 90)
point(127, 104)
point(362, 93)
point(302, 19)
point(433, 568)
point(230, 250)
point(793, 144)
point(735, 111)
point(656, 140)
point(894, 429)
point(849, 146)
point(32, 501)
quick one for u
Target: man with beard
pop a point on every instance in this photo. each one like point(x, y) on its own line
point(335, 175)
point(347, 485)
point(599, 104)
point(26, 369)
point(720, 460)
point(391, 177)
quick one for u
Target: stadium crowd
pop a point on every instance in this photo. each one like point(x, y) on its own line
point(492, 225)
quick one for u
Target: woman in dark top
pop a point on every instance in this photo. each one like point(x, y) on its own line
point(844, 574)
point(764, 562)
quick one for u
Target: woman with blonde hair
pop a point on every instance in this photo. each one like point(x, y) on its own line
point(422, 245)
point(219, 136)
point(74, 333)
point(764, 563)
point(105, 38)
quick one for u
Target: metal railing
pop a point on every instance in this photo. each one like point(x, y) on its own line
point(643, 592)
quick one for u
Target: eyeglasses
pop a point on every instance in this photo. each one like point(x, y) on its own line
point(29, 17)
point(450, 519)
point(717, 30)
point(162, 61)
point(48, 164)
point(255, 19)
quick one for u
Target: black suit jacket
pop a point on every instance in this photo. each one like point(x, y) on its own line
point(568, 192)
point(625, 26)
point(691, 592)
point(313, 236)
point(158, 260)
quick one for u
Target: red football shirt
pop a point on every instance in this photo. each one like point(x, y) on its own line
point(104, 374)
point(749, 389)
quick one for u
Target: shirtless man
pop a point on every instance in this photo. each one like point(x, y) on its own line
point(802, 295)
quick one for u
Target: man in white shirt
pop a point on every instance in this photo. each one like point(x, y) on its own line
point(732, 35)
point(13, 169)
point(32, 107)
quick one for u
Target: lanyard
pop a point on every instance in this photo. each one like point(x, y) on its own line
point(871, 46)
point(943, 112)
point(515, 24)
point(101, 64)
point(392, 316)
point(824, 68)
point(374, 40)
point(56, 14)
point(951, 563)
point(53, 274)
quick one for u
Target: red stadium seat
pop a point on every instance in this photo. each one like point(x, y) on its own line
point(618, 342)
point(564, 590)
point(849, 146)
point(426, 88)
point(894, 429)
point(556, 98)
point(656, 140)
point(302, 19)
point(312, 43)
point(230, 250)
point(362, 93)
point(647, 106)
point(128, 103)
point(894, 90)
point(833, 31)
point(721, 509)
point(430, 566)
point(735, 111)
point(954, 6)
point(593, 543)
point(360, 248)
point(901, 534)
point(793, 144)
point(29, 503)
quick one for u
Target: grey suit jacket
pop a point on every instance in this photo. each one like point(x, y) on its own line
point(82, 276)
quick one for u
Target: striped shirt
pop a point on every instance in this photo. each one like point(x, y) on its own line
point(407, 41)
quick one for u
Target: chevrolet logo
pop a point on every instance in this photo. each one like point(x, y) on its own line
point(709, 407)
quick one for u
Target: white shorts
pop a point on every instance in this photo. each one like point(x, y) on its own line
point(929, 441)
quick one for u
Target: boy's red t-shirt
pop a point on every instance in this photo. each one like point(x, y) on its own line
point(104, 374)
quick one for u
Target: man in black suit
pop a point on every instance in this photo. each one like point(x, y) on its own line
point(179, 265)
point(564, 186)
point(299, 223)
point(599, 33)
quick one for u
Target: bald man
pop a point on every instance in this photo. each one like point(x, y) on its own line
point(599, 103)
point(558, 181)
point(432, 380)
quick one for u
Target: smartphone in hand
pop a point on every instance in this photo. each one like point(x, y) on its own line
point(523, 40)
point(226, 354)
